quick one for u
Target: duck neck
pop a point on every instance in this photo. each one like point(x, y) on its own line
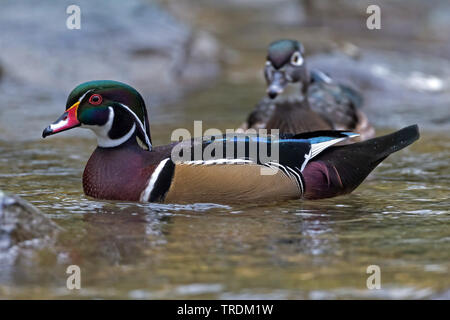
point(127, 142)
point(306, 79)
point(121, 129)
point(116, 172)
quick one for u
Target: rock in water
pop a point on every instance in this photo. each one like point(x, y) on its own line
point(21, 222)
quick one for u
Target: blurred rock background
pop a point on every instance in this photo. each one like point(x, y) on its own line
point(137, 42)
point(185, 52)
point(403, 70)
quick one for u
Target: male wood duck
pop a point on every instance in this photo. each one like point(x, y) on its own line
point(322, 105)
point(125, 165)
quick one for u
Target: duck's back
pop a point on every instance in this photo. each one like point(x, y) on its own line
point(336, 103)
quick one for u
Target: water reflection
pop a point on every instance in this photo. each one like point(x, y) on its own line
point(310, 249)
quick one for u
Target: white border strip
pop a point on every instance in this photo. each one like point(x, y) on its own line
point(147, 139)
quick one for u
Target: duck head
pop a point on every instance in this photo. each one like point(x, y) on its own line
point(285, 64)
point(114, 111)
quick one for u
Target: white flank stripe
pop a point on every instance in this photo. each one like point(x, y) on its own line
point(217, 161)
point(298, 180)
point(145, 195)
point(289, 172)
point(281, 167)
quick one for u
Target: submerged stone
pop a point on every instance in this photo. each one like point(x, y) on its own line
point(21, 222)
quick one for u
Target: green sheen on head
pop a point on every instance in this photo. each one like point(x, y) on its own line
point(95, 97)
point(110, 91)
point(114, 111)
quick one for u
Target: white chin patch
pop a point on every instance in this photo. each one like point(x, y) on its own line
point(103, 139)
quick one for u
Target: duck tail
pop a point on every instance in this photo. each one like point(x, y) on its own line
point(340, 169)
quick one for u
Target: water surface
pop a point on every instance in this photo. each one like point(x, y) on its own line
point(397, 219)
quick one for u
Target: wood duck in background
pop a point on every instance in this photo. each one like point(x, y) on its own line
point(322, 105)
point(122, 168)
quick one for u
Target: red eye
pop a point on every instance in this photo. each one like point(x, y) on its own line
point(95, 99)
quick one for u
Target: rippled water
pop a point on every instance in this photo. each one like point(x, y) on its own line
point(397, 219)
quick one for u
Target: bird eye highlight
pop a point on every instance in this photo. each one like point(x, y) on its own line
point(95, 99)
point(296, 59)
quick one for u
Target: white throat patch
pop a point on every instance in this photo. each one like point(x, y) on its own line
point(103, 139)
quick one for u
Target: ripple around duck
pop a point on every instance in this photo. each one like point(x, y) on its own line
point(311, 249)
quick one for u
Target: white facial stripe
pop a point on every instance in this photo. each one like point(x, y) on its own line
point(103, 139)
point(145, 195)
point(147, 140)
point(84, 95)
